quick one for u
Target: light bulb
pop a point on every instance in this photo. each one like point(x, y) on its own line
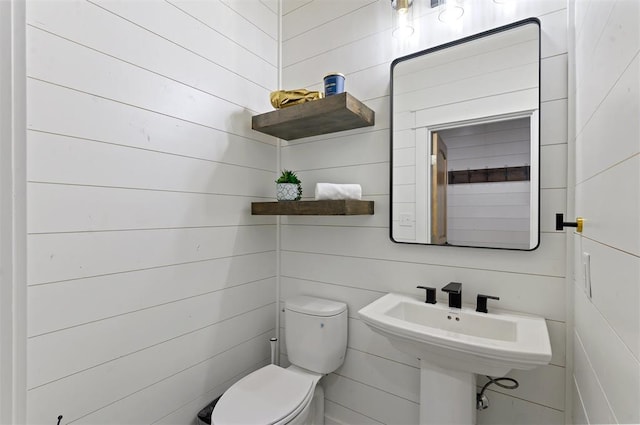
point(402, 18)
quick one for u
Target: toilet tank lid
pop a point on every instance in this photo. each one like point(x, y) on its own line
point(315, 306)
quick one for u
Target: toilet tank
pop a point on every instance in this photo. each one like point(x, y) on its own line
point(316, 333)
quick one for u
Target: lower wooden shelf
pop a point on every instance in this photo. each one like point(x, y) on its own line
point(339, 207)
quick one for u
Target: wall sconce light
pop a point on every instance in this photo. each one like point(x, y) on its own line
point(450, 10)
point(402, 18)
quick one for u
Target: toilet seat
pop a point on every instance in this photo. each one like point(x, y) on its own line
point(270, 395)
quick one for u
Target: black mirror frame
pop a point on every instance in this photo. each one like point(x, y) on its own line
point(463, 40)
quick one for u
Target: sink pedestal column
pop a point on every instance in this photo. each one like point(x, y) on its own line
point(446, 396)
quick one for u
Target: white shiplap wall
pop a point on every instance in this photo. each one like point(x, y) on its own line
point(606, 379)
point(151, 287)
point(352, 258)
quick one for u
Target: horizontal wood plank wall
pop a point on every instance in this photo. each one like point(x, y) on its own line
point(352, 258)
point(606, 379)
point(151, 287)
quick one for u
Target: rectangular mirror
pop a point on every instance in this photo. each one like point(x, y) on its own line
point(465, 141)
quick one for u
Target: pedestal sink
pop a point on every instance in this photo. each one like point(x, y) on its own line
point(455, 344)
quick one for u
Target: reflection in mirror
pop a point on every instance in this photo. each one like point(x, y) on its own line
point(465, 143)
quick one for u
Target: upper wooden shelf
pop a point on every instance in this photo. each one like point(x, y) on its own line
point(337, 207)
point(334, 113)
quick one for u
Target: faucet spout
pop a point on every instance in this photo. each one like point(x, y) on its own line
point(454, 289)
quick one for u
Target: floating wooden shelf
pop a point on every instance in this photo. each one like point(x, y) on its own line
point(341, 207)
point(334, 113)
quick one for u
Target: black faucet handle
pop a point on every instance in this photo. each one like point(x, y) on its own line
point(430, 296)
point(481, 303)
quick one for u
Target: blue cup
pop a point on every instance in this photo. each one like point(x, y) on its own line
point(333, 84)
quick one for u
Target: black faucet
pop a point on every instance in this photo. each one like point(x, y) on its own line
point(430, 296)
point(481, 304)
point(454, 289)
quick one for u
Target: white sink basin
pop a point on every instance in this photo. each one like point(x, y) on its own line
point(460, 339)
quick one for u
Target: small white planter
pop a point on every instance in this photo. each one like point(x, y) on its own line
point(287, 191)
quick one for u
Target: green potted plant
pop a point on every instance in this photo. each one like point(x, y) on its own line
point(288, 186)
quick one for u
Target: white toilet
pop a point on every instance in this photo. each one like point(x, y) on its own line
point(316, 338)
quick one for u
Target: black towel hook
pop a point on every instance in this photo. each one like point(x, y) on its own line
point(561, 224)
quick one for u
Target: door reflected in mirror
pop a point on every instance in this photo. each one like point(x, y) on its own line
point(465, 144)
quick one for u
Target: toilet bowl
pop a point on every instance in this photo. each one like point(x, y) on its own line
point(316, 336)
point(271, 395)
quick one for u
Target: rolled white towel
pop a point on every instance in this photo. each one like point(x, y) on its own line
point(326, 191)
